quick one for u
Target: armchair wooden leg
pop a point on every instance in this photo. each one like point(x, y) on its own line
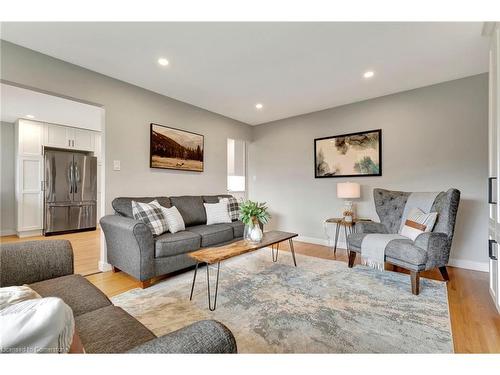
point(146, 284)
point(415, 282)
point(352, 258)
point(444, 273)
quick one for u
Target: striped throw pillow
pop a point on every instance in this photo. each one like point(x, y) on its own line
point(418, 222)
point(217, 213)
point(151, 215)
point(174, 219)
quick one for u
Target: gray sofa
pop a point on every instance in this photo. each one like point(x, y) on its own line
point(429, 250)
point(47, 266)
point(132, 248)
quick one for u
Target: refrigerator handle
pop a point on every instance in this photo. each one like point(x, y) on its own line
point(490, 249)
point(76, 176)
point(70, 177)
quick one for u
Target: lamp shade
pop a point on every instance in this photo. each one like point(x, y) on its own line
point(348, 190)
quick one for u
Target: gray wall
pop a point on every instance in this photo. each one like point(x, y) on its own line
point(8, 198)
point(129, 111)
point(434, 138)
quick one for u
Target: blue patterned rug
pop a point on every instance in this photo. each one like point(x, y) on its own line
point(319, 307)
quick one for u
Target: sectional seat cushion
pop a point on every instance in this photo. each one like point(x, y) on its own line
point(238, 228)
point(191, 209)
point(212, 235)
point(169, 244)
point(75, 290)
point(111, 330)
point(123, 205)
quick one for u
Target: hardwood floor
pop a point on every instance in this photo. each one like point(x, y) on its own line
point(86, 248)
point(474, 319)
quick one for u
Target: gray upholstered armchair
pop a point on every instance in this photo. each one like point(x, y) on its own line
point(429, 250)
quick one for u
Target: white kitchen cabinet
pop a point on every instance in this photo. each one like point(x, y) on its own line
point(68, 138)
point(29, 137)
point(29, 177)
point(494, 167)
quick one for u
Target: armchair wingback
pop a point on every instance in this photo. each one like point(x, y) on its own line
point(429, 250)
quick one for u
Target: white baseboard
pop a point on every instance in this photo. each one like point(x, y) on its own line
point(469, 265)
point(29, 233)
point(459, 263)
point(341, 244)
point(104, 267)
point(7, 232)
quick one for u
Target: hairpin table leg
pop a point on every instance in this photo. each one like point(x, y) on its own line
point(275, 258)
point(293, 251)
point(194, 280)
point(210, 307)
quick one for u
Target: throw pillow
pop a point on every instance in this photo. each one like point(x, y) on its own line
point(174, 219)
point(417, 223)
point(150, 215)
point(233, 207)
point(217, 213)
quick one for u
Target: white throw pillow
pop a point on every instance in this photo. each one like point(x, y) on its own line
point(174, 219)
point(217, 213)
point(417, 223)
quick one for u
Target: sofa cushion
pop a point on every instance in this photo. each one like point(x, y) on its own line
point(191, 209)
point(123, 205)
point(111, 330)
point(215, 198)
point(169, 244)
point(213, 234)
point(78, 293)
point(238, 228)
point(404, 250)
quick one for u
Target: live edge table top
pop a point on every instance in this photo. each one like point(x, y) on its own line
point(213, 255)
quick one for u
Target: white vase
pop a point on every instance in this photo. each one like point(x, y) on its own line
point(256, 234)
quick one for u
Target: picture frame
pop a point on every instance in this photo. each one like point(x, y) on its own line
point(349, 155)
point(173, 148)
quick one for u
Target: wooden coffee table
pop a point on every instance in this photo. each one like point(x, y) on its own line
point(212, 255)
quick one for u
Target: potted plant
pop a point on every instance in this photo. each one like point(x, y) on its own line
point(252, 214)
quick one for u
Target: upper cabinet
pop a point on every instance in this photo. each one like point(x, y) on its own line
point(69, 138)
point(29, 138)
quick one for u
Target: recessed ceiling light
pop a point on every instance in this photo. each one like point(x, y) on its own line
point(259, 106)
point(368, 74)
point(163, 61)
point(30, 116)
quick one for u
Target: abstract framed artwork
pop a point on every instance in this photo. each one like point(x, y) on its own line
point(349, 155)
point(172, 148)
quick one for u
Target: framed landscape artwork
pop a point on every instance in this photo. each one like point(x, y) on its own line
point(172, 148)
point(349, 155)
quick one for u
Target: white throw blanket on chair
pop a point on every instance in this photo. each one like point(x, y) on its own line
point(374, 244)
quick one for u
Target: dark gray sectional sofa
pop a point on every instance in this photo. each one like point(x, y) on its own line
point(47, 266)
point(132, 248)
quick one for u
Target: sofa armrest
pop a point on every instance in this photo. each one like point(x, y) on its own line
point(206, 336)
point(370, 227)
point(129, 245)
point(32, 261)
point(437, 245)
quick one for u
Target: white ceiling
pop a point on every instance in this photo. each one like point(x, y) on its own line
point(18, 102)
point(292, 68)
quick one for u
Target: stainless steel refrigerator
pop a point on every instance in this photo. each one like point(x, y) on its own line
point(70, 191)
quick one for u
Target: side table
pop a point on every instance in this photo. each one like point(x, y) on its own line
point(349, 227)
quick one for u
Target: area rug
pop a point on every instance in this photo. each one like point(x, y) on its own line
point(321, 306)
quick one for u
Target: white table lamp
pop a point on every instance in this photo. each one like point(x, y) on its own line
point(348, 191)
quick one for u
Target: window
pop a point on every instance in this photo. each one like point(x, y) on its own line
point(236, 167)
